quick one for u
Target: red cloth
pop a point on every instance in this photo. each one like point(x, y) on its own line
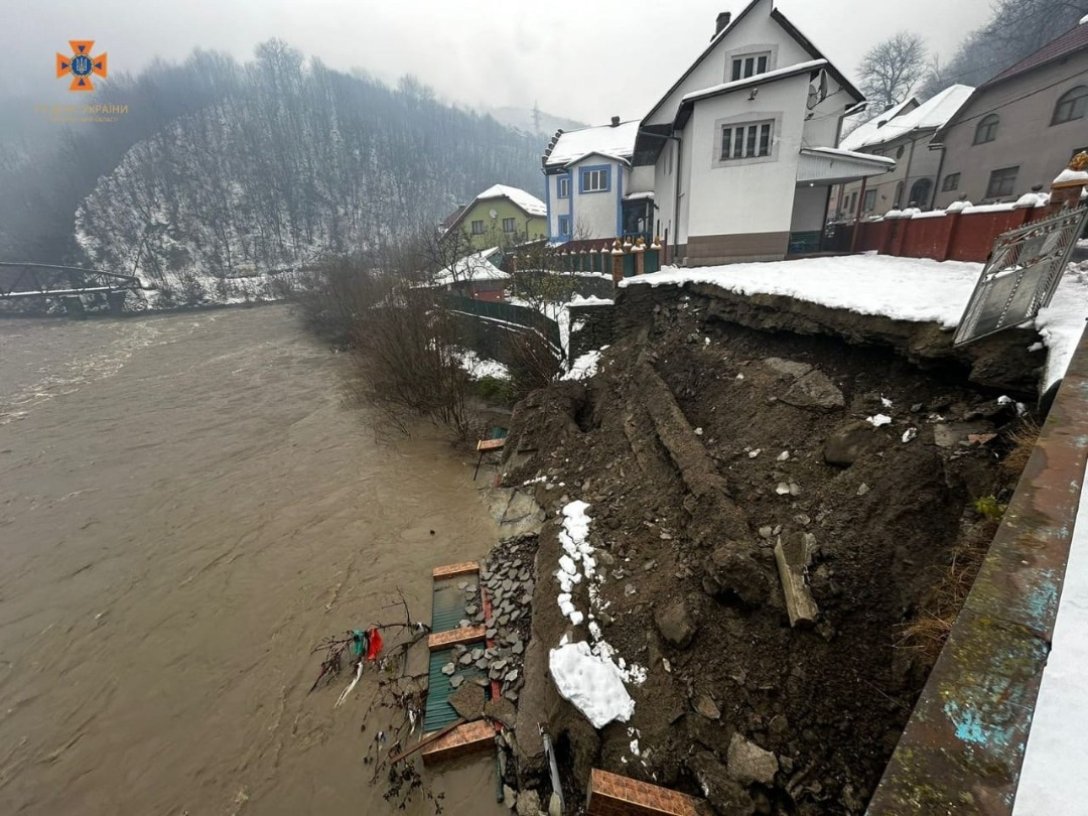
point(374, 647)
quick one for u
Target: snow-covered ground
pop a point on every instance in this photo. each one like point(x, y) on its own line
point(915, 289)
point(479, 367)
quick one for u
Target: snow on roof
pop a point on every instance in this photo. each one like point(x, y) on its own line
point(868, 158)
point(858, 136)
point(573, 145)
point(757, 79)
point(930, 115)
point(526, 201)
point(474, 267)
point(915, 289)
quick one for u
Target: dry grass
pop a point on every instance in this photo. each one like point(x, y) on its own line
point(1023, 441)
point(928, 632)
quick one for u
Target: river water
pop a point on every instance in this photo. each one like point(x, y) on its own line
point(186, 509)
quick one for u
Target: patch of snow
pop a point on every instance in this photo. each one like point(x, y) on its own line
point(909, 434)
point(479, 367)
point(958, 206)
point(474, 267)
point(887, 403)
point(879, 421)
point(1083, 20)
point(930, 115)
point(989, 208)
point(591, 683)
point(931, 214)
point(584, 367)
point(758, 79)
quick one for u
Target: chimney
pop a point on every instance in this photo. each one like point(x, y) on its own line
point(722, 22)
point(615, 121)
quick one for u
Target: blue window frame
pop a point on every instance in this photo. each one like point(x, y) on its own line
point(564, 225)
point(562, 187)
point(595, 179)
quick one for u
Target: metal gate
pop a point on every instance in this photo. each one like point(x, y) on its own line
point(1023, 272)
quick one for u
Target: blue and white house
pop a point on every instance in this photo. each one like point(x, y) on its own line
point(592, 191)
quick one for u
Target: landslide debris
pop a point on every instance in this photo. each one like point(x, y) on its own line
point(704, 449)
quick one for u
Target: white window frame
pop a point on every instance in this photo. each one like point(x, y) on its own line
point(749, 65)
point(562, 186)
point(595, 179)
point(746, 140)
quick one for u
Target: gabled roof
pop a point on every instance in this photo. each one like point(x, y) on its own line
point(786, 25)
point(614, 142)
point(527, 202)
point(1074, 40)
point(930, 115)
point(689, 100)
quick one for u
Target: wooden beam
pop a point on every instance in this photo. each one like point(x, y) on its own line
point(792, 560)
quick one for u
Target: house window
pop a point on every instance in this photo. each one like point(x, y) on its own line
point(749, 65)
point(919, 193)
point(1002, 182)
point(899, 153)
point(509, 225)
point(746, 141)
point(564, 225)
point(870, 201)
point(562, 187)
point(852, 205)
point(1072, 105)
point(987, 129)
point(951, 182)
point(477, 227)
point(595, 180)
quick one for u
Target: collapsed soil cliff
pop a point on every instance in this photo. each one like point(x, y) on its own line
point(702, 447)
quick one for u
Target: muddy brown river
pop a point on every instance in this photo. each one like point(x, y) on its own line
point(186, 508)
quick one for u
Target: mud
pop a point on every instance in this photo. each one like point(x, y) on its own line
point(702, 446)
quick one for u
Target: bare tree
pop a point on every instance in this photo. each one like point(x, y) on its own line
point(891, 70)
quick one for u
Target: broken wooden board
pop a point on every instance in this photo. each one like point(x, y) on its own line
point(792, 559)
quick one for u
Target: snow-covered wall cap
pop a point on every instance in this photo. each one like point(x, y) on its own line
point(1033, 200)
point(891, 215)
point(958, 206)
point(989, 208)
point(1071, 177)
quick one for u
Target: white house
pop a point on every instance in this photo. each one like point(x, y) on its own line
point(588, 177)
point(743, 147)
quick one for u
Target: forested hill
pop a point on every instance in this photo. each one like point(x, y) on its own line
point(294, 162)
point(272, 159)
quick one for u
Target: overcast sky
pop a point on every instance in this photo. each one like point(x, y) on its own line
point(584, 59)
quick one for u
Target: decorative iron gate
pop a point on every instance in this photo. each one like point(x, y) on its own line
point(1023, 272)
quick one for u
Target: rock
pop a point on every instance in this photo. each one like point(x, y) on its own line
point(863, 489)
point(848, 442)
point(766, 531)
point(509, 797)
point(456, 681)
point(815, 390)
point(470, 609)
point(733, 577)
point(468, 702)
point(787, 368)
point(449, 669)
point(519, 647)
point(465, 659)
point(779, 726)
point(674, 622)
point(707, 707)
point(501, 710)
point(555, 805)
point(950, 434)
point(723, 794)
point(528, 803)
point(511, 676)
point(749, 763)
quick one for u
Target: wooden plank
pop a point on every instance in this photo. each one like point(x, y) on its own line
point(464, 635)
point(455, 570)
point(466, 738)
point(427, 740)
point(792, 560)
point(491, 444)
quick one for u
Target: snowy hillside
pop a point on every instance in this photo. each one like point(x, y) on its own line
point(299, 163)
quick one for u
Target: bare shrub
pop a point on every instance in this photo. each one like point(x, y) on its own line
point(531, 362)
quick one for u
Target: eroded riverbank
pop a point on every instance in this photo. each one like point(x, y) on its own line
point(186, 509)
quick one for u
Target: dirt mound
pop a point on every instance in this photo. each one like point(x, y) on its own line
point(703, 448)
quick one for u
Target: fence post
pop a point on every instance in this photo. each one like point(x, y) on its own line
point(617, 262)
point(950, 237)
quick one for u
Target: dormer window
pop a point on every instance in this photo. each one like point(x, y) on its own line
point(748, 65)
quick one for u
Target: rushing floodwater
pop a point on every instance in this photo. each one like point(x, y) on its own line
point(185, 510)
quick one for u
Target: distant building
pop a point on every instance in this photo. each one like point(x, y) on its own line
point(1019, 126)
point(477, 276)
point(743, 148)
point(903, 133)
point(501, 216)
point(587, 174)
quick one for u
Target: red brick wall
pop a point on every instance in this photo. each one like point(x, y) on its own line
point(953, 237)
